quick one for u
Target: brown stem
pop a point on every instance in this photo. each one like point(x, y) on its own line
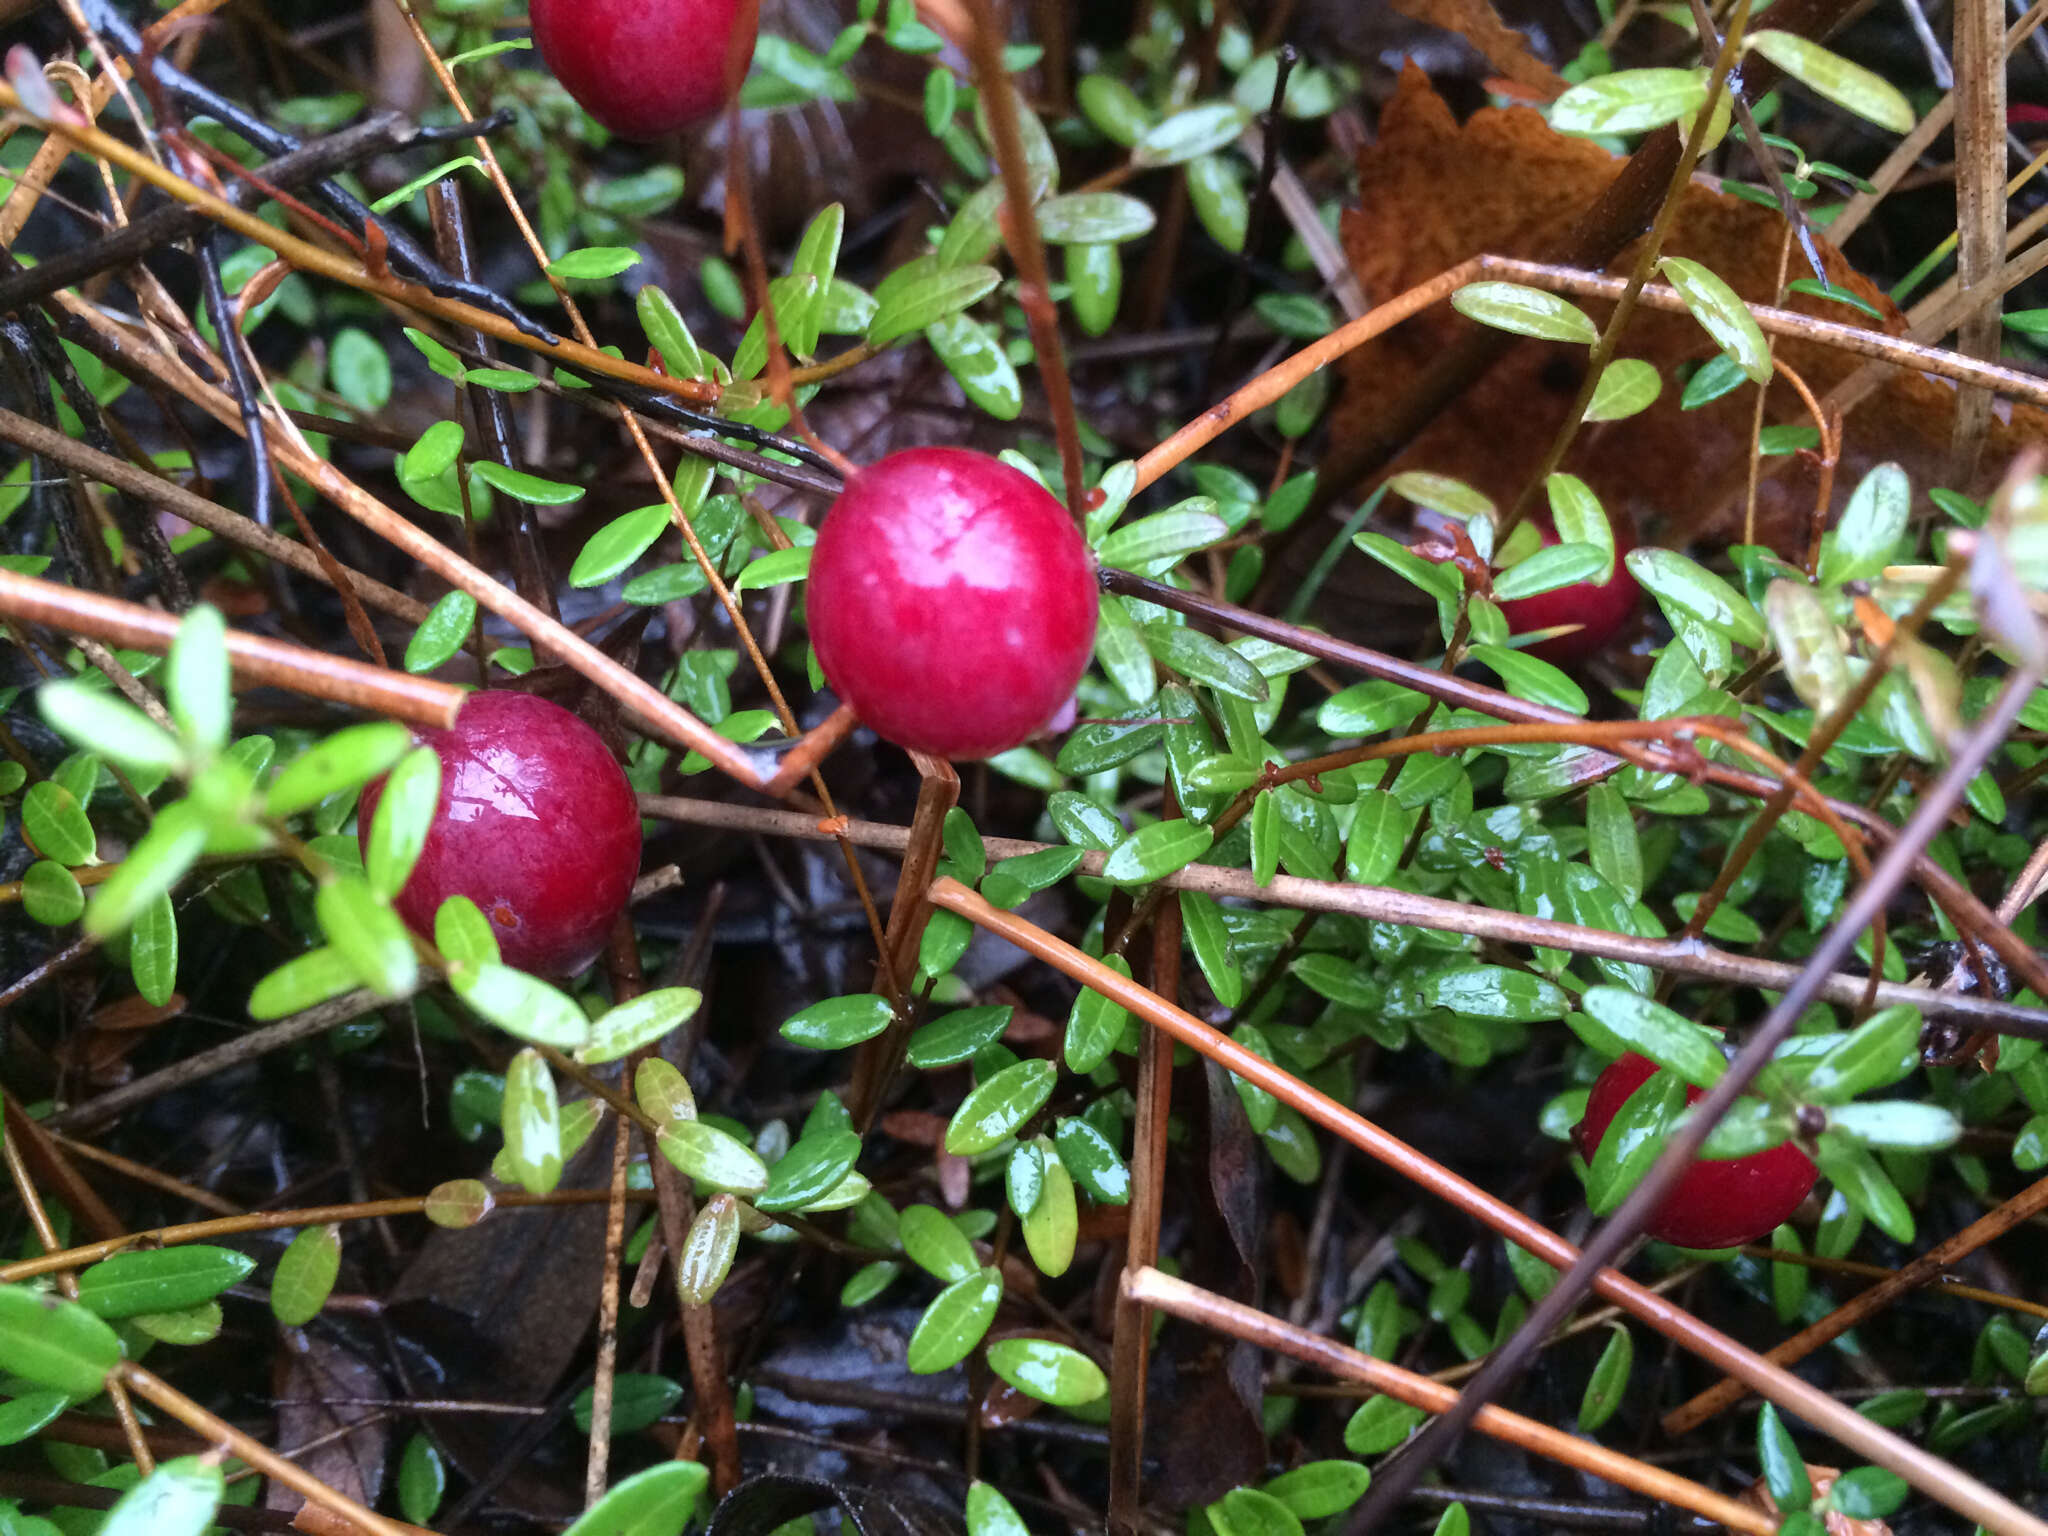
point(256, 658)
point(1151, 1288)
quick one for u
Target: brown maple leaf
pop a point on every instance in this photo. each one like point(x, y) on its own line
point(1433, 192)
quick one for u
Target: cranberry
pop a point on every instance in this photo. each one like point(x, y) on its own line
point(952, 602)
point(643, 68)
point(536, 824)
point(1717, 1204)
point(1599, 611)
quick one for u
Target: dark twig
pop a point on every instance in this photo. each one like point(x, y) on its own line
point(1262, 207)
point(1395, 1478)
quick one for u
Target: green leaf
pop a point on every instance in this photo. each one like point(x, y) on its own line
point(1163, 539)
point(622, 1030)
point(1531, 677)
point(1632, 1141)
point(1609, 1381)
point(669, 333)
point(708, 1251)
point(1153, 852)
point(955, 1037)
point(360, 370)
point(1217, 191)
point(521, 486)
point(1202, 924)
point(441, 633)
point(777, 568)
point(55, 1343)
point(524, 1006)
point(422, 1480)
point(1248, 1512)
point(1189, 134)
point(1028, 873)
point(1871, 527)
point(1115, 112)
point(463, 934)
point(1524, 311)
point(1052, 1224)
point(974, 355)
point(1087, 1154)
point(639, 1399)
point(160, 1279)
point(996, 1108)
point(1580, 519)
point(1095, 1024)
point(1612, 845)
point(348, 759)
point(1094, 218)
point(110, 727)
point(1721, 313)
point(936, 1245)
point(705, 1152)
point(27, 1413)
point(1317, 1490)
point(954, 1323)
point(302, 982)
point(153, 949)
point(1898, 1125)
point(657, 1502)
point(1828, 74)
point(1868, 1493)
point(368, 934)
point(404, 816)
point(1495, 992)
point(902, 308)
point(1052, 1373)
point(1815, 659)
point(1880, 1051)
point(594, 262)
point(1685, 585)
point(179, 1498)
point(196, 679)
point(990, 1514)
point(56, 824)
point(1630, 101)
point(1784, 1468)
point(838, 1022)
point(1652, 1030)
point(531, 1116)
point(51, 894)
point(1627, 386)
point(305, 1275)
point(810, 1170)
point(617, 545)
point(1380, 1424)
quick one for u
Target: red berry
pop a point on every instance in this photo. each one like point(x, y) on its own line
point(536, 824)
point(1599, 611)
point(643, 68)
point(1718, 1204)
point(952, 602)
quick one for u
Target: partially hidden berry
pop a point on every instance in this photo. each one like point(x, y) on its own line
point(1719, 1203)
point(536, 824)
point(643, 68)
point(1600, 610)
point(952, 602)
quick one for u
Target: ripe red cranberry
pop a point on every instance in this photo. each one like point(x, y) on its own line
point(952, 602)
point(643, 68)
point(1717, 1204)
point(536, 824)
point(1599, 611)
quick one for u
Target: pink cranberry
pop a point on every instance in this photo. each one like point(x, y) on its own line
point(643, 68)
point(1599, 611)
point(536, 824)
point(1718, 1204)
point(952, 602)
